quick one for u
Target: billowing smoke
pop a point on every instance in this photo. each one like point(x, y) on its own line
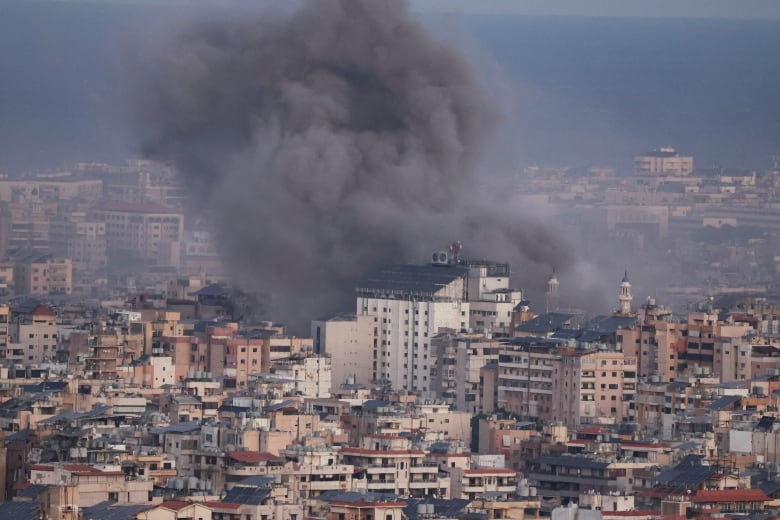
point(327, 142)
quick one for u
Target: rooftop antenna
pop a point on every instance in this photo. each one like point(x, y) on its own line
point(455, 248)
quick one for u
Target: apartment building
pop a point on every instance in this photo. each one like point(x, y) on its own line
point(654, 341)
point(526, 379)
point(471, 483)
point(348, 340)
point(147, 231)
point(392, 465)
point(310, 374)
point(593, 386)
point(32, 335)
point(39, 275)
point(314, 470)
point(80, 238)
point(89, 485)
point(409, 305)
point(456, 375)
point(106, 354)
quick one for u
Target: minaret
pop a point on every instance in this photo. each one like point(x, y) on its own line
point(625, 295)
point(552, 293)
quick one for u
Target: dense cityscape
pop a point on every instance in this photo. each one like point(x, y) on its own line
point(138, 382)
point(389, 260)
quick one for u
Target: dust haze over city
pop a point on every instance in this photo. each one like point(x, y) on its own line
point(320, 142)
point(389, 260)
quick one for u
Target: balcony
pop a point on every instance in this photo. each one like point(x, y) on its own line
point(424, 484)
point(378, 485)
point(384, 468)
point(324, 485)
point(427, 467)
point(246, 471)
point(572, 479)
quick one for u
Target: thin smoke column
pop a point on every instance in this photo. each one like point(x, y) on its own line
point(324, 143)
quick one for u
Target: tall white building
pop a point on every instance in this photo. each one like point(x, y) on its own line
point(410, 304)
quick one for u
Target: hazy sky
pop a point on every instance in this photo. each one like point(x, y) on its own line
point(652, 8)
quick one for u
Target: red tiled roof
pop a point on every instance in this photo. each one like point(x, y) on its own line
point(132, 207)
point(174, 504)
point(221, 505)
point(41, 467)
point(711, 496)
point(489, 471)
point(43, 310)
point(251, 457)
point(86, 469)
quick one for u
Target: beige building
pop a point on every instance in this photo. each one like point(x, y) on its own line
point(89, 485)
point(6, 277)
point(477, 482)
point(594, 387)
point(567, 386)
point(81, 239)
point(655, 344)
point(392, 466)
point(43, 275)
point(349, 342)
point(456, 375)
point(154, 371)
point(32, 335)
point(5, 312)
point(526, 376)
point(150, 232)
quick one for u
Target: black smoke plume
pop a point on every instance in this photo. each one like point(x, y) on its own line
point(327, 142)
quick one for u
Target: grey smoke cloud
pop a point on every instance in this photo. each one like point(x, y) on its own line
point(328, 142)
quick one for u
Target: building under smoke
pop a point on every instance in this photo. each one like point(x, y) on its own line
point(326, 143)
point(406, 306)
